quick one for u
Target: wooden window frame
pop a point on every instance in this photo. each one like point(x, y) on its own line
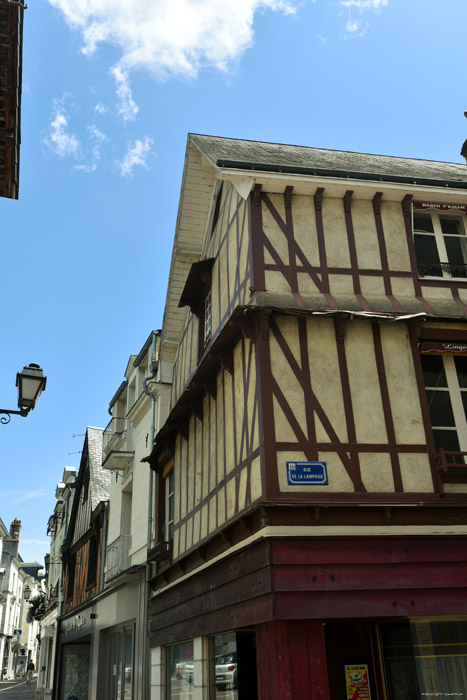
point(443, 264)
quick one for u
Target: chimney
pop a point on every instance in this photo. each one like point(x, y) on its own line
point(15, 529)
point(464, 150)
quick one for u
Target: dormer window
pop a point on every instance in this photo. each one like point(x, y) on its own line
point(197, 295)
point(440, 244)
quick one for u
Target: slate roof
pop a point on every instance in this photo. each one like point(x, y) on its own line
point(276, 157)
point(99, 481)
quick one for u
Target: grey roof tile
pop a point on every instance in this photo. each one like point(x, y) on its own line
point(99, 481)
point(225, 152)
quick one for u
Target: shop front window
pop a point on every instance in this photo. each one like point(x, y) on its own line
point(121, 653)
point(424, 657)
point(180, 671)
point(233, 666)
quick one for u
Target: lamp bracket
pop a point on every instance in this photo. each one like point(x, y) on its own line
point(6, 415)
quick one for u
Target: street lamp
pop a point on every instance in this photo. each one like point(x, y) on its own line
point(31, 383)
point(27, 593)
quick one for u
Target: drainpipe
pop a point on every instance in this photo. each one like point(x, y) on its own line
point(152, 430)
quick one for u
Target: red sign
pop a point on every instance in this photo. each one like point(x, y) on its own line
point(441, 207)
point(444, 348)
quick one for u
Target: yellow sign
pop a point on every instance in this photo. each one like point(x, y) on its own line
point(357, 682)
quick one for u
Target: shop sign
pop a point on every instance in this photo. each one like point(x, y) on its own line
point(76, 626)
point(356, 681)
point(441, 207)
point(444, 348)
point(300, 473)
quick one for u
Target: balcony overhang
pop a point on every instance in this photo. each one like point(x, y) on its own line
point(118, 460)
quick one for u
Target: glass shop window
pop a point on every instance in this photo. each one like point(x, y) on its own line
point(424, 657)
point(233, 666)
point(180, 672)
point(121, 656)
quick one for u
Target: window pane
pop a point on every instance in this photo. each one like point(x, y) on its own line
point(439, 403)
point(224, 669)
point(119, 666)
point(128, 674)
point(461, 369)
point(425, 657)
point(457, 254)
point(446, 439)
point(422, 222)
point(425, 248)
point(433, 370)
point(180, 672)
point(427, 256)
point(451, 224)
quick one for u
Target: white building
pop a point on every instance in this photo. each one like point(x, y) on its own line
point(17, 642)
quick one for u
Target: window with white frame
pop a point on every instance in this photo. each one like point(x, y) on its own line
point(446, 387)
point(207, 317)
point(440, 244)
point(169, 506)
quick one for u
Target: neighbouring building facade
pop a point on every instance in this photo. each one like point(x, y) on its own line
point(18, 635)
point(83, 572)
point(102, 615)
point(310, 477)
point(57, 528)
point(121, 660)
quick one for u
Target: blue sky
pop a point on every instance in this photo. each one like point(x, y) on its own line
point(110, 91)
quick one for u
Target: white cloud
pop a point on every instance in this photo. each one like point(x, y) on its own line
point(96, 133)
point(355, 27)
point(365, 4)
point(90, 168)
point(97, 138)
point(138, 154)
point(100, 108)
point(59, 140)
point(169, 36)
point(128, 109)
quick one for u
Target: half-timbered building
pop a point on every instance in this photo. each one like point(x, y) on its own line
point(11, 53)
point(311, 478)
point(83, 572)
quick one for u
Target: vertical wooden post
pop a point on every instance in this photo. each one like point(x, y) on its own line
point(291, 660)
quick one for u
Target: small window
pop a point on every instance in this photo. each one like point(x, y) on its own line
point(92, 563)
point(71, 577)
point(207, 317)
point(169, 506)
point(440, 245)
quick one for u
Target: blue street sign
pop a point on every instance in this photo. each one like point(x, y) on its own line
point(299, 473)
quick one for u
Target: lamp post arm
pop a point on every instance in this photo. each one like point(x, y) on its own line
point(6, 415)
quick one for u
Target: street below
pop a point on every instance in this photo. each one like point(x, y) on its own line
point(17, 690)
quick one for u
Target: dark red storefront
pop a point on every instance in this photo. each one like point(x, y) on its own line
point(317, 605)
